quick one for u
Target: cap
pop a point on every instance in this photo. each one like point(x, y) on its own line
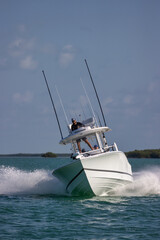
point(73, 119)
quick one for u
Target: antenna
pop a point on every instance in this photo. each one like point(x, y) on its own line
point(96, 93)
point(89, 102)
point(53, 104)
point(62, 105)
point(83, 111)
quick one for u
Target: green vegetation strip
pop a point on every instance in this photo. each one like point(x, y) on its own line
point(148, 153)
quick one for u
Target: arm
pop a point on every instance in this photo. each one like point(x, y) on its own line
point(80, 124)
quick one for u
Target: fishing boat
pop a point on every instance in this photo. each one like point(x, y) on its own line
point(96, 171)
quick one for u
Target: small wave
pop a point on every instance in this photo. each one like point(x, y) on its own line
point(145, 183)
point(16, 181)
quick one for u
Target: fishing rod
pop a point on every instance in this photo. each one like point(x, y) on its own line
point(53, 104)
point(96, 93)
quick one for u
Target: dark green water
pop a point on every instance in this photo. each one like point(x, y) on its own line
point(33, 204)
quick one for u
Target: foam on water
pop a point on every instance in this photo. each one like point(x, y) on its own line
point(145, 183)
point(16, 181)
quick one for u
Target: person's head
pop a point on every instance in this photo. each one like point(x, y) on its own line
point(74, 121)
point(95, 147)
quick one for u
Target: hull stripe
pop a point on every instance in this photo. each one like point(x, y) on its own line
point(74, 178)
point(112, 171)
point(98, 170)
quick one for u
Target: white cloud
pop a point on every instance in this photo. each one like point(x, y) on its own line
point(21, 49)
point(23, 98)
point(68, 47)
point(66, 58)
point(21, 46)
point(67, 55)
point(28, 63)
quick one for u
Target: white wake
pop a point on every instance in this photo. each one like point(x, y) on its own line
point(16, 181)
point(145, 183)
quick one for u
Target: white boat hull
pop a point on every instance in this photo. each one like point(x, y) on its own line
point(95, 175)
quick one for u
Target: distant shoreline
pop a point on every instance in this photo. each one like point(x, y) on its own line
point(33, 155)
point(147, 153)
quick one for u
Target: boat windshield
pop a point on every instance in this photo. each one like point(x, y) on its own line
point(92, 144)
point(84, 153)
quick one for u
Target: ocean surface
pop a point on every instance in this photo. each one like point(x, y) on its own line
point(33, 204)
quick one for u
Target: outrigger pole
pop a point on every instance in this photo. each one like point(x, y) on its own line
point(53, 104)
point(96, 93)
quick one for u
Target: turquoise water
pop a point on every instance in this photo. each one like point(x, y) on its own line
point(33, 204)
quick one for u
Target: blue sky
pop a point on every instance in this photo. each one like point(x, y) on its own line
point(121, 42)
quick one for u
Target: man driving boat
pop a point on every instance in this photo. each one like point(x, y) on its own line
point(76, 125)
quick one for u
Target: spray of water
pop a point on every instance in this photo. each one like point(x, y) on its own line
point(15, 181)
point(145, 183)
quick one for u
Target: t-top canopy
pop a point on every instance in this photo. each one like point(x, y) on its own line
point(83, 132)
